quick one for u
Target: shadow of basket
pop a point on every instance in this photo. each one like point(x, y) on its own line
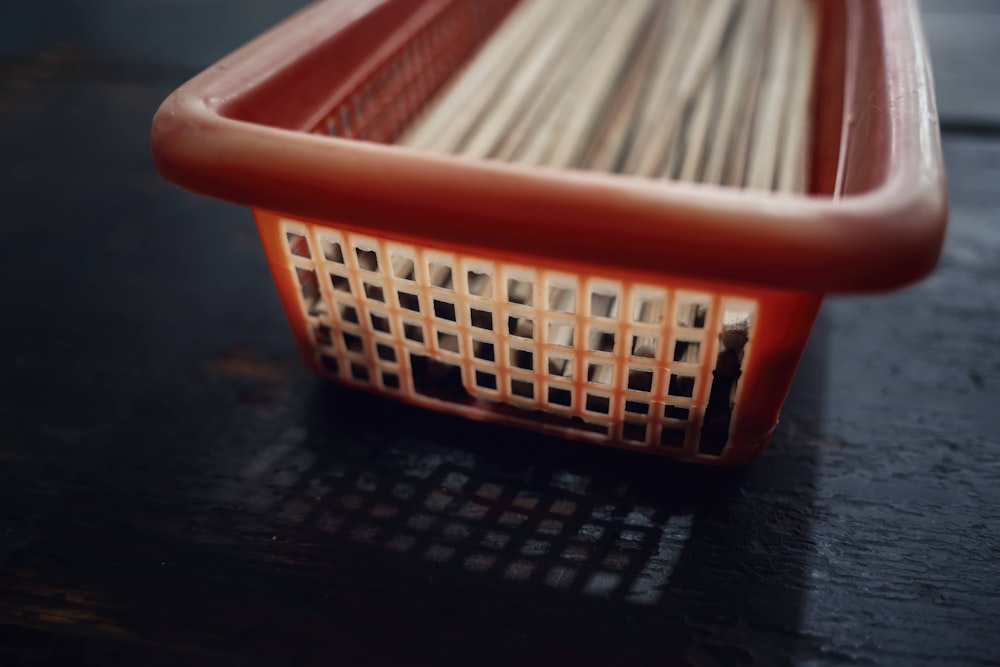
point(435, 529)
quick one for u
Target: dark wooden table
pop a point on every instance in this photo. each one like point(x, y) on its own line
point(176, 489)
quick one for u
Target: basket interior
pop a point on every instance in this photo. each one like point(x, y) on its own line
point(398, 58)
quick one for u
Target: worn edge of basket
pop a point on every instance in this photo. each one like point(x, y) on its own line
point(883, 238)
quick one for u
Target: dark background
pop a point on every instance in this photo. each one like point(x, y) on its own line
point(175, 488)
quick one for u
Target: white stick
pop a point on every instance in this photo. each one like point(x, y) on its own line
point(696, 134)
point(533, 74)
point(793, 174)
point(542, 133)
point(737, 68)
point(474, 88)
point(644, 346)
point(746, 107)
point(652, 87)
point(768, 119)
point(561, 299)
point(664, 75)
point(613, 139)
point(550, 91)
point(601, 374)
point(697, 63)
point(585, 108)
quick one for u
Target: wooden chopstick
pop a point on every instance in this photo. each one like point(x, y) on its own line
point(458, 108)
point(536, 71)
point(793, 167)
point(584, 107)
point(769, 117)
point(714, 91)
point(613, 140)
point(739, 150)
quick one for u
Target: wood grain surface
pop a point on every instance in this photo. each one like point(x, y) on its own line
point(176, 489)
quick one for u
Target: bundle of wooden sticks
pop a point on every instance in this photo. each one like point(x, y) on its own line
point(715, 91)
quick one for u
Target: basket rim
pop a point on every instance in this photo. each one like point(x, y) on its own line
point(885, 237)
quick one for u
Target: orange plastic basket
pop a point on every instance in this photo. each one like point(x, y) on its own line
point(652, 315)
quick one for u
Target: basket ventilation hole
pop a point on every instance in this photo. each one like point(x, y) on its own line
point(367, 260)
point(348, 314)
point(440, 275)
point(561, 366)
point(359, 372)
point(374, 292)
point(649, 311)
point(480, 284)
point(637, 407)
point(448, 341)
point(681, 386)
point(601, 341)
point(332, 251)
point(676, 412)
point(380, 323)
point(601, 373)
point(560, 396)
point(340, 283)
point(437, 379)
point(562, 299)
point(520, 292)
point(483, 350)
point(603, 305)
point(323, 335)
point(386, 352)
point(486, 380)
point(354, 343)
point(561, 334)
point(687, 352)
point(444, 310)
point(522, 359)
point(402, 267)
point(640, 380)
point(522, 388)
point(522, 327)
point(692, 315)
point(309, 286)
point(598, 404)
point(644, 346)
point(298, 245)
point(409, 301)
point(481, 319)
point(413, 332)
